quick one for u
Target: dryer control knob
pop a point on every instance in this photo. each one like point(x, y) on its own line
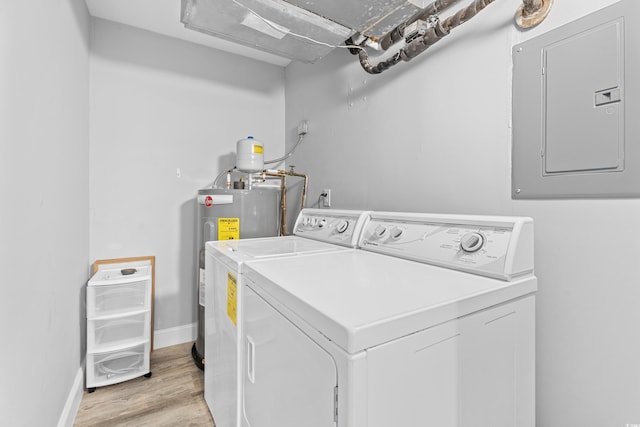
point(342, 226)
point(396, 233)
point(380, 231)
point(472, 242)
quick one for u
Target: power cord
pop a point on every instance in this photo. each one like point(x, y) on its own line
point(318, 204)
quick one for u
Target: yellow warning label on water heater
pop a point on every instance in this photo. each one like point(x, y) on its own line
point(232, 297)
point(228, 228)
point(257, 149)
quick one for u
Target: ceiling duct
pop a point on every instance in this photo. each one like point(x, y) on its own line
point(303, 30)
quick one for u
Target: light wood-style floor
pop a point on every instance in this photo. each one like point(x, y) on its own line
point(173, 396)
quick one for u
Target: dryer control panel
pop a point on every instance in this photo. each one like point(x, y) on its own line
point(341, 227)
point(494, 246)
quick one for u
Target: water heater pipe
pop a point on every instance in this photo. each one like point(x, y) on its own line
point(283, 189)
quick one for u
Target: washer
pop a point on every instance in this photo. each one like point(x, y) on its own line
point(430, 323)
point(315, 231)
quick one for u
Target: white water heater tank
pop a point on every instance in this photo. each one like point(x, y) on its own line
point(249, 155)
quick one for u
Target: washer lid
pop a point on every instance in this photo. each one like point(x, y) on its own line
point(360, 299)
point(239, 251)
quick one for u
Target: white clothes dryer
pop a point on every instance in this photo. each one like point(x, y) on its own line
point(430, 323)
point(315, 231)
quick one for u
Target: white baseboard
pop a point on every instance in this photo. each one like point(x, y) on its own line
point(177, 335)
point(70, 410)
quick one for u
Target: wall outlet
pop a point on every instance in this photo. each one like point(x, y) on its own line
point(326, 200)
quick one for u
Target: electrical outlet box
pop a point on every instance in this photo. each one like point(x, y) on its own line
point(326, 200)
point(303, 127)
point(575, 97)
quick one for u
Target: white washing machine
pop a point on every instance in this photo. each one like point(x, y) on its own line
point(315, 231)
point(429, 323)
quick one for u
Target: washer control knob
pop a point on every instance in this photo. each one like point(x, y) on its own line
point(396, 233)
point(472, 242)
point(342, 226)
point(380, 231)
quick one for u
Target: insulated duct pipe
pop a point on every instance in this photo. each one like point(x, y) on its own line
point(531, 11)
point(433, 35)
point(397, 33)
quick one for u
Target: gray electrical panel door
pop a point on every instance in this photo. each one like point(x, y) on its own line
point(583, 124)
point(575, 91)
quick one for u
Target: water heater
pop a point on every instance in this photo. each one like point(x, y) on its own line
point(225, 214)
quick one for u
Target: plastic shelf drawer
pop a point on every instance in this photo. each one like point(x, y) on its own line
point(113, 299)
point(118, 331)
point(117, 366)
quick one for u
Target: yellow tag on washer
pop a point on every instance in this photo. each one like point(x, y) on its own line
point(232, 297)
point(228, 228)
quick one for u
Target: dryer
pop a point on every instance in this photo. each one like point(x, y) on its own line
point(430, 323)
point(315, 231)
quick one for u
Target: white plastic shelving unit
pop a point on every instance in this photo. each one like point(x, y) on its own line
point(118, 324)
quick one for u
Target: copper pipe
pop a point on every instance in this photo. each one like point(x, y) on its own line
point(283, 198)
point(304, 188)
point(283, 205)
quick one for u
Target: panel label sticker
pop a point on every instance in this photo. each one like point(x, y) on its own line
point(232, 297)
point(228, 228)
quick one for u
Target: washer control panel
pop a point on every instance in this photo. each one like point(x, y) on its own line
point(341, 227)
point(493, 246)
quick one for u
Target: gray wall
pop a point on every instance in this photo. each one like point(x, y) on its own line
point(44, 205)
point(434, 135)
point(158, 105)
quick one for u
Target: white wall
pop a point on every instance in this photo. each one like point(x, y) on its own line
point(158, 105)
point(44, 205)
point(434, 135)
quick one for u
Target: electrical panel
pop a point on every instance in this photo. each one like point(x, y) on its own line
point(575, 96)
